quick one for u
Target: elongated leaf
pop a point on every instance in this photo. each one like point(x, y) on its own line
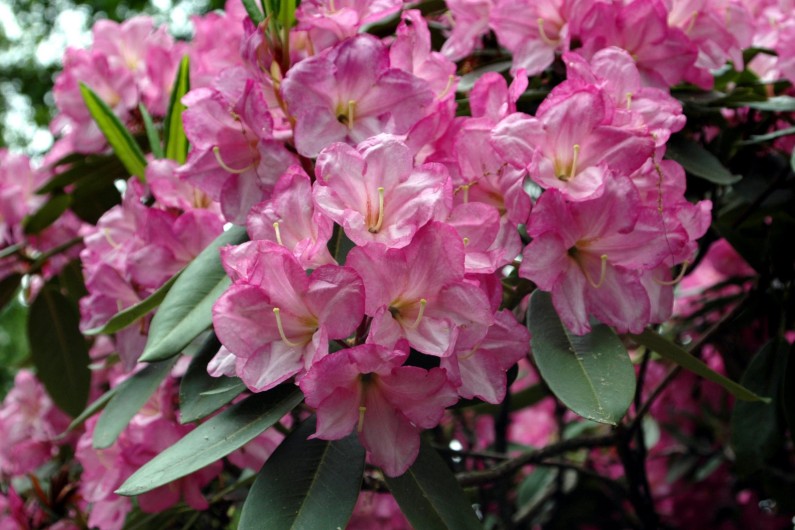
point(591, 374)
point(655, 342)
point(430, 497)
point(187, 309)
point(176, 142)
point(126, 317)
point(761, 138)
point(118, 137)
point(200, 394)
point(92, 409)
point(306, 483)
point(254, 12)
point(47, 214)
point(757, 430)
point(774, 104)
point(91, 167)
point(8, 288)
point(59, 350)
point(131, 395)
point(151, 132)
point(214, 439)
point(698, 161)
point(92, 198)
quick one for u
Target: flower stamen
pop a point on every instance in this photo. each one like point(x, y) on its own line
point(602, 273)
point(225, 167)
point(380, 220)
point(276, 312)
point(423, 303)
point(360, 424)
point(278, 233)
point(678, 278)
point(543, 34)
point(573, 171)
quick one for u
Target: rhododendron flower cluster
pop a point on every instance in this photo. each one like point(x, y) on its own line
point(394, 181)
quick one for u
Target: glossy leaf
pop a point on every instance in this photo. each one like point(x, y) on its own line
point(176, 143)
point(698, 161)
point(254, 12)
point(655, 342)
point(128, 316)
point(757, 432)
point(430, 497)
point(58, 350)
point(45, 216)
point(306, 483)
point(118, 137)
point(591, 374)
point(96, 406)
point(130, 396)
point(214, 439)
point(151, 132)
point(89, 167)
point(201, 394)
point(186, 310)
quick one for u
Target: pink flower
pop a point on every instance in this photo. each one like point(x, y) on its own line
point(470, 25)
point(349, 93)
point(419, 292)
point(329, 22)
point(277, 320)
point(376, 194)
point(366, 388)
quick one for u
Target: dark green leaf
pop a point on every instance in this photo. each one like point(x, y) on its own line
point(788, 392)
point(151, 132)
point(698, 161)
point(130, 396)
point(200, 394)
point(187, 309)
point(756, 428)
point(761, 138)
point(671, 351)
point(47, 214)
point(254, 12)
point(306, 483)
point(91, 167)
point(9, 287)
point(175, 140)
point(58, 350)
point(591, 374)
point(430, 497)
point(92, 409)
point(118, 137)
point(214, 439)
point(128, 316)
point(92, 198)
point(774, 104)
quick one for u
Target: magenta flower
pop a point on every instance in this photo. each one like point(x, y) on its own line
point(277, 320)
point(376, 194)
point(419, 292)
point(366, 388)
point(349, 93)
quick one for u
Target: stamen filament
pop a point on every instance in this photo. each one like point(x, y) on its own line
point(574, 161)
point(629, 100)
point(678, 278)
point(602, 273)
point(276, 312)
point(450, 81)
point(543, 34)
point(278, 233)
point(380, 220)
point(423, 303)
point(360, 424)
point(351, 113)
point(217, 153)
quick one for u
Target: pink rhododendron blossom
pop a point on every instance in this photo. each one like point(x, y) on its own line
point(377, 510)
point(277, 320)
point(329, 22)
point(419, 292)
point(216, 42)
point(367, 388)
point(349, 93)
point(470, 23)
point(377, 194)
point(291, 220)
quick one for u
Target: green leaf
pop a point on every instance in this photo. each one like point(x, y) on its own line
point(58, 350)
point(698, 161)
point(175, 140)
point(187, 309)
point(214, 439)
point(92, 409)
point(287, 13)
point(92, 198)
point(89, 167)
point(128, 316)
point(761, 138)
point(788, 392)
point(151, 132)
point(430, 497)
point(757, 433)
point(200, 394)
point(591, 374)
point(306, 483)
point(47, 214)
point(254, 12)
point(8, 288)
point(130, 396)
point(774, 104)
point(655, 342)
point(123, 144)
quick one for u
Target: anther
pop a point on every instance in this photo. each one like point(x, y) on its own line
point(380, 220)
point(278, 233)
point(678, 278)
point(466, 241)
point(217, 153)
point(629, 100)
point(276, 312)
point(602, 273)
point(465, 189)
point(423, 303)
point(543, 34)
point(573, 171)
point(360, 425)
